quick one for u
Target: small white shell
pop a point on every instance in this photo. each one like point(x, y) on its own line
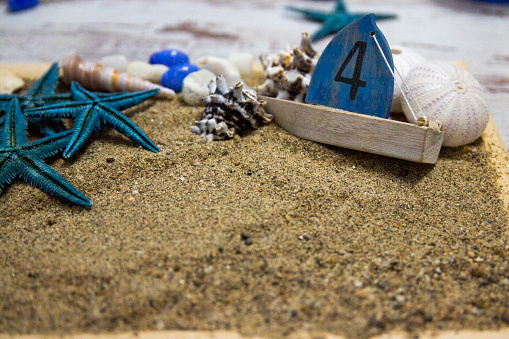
point(404, 60)
point(220, 66)
point(195, 87)
point(451, 95)
point(98, 78)
point(144, 70)
point(116, 61)
point(243, 61)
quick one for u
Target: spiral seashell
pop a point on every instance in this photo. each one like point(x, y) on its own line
point(451, 95)
point(230, 110)
point(404, 60)
point(98, 78)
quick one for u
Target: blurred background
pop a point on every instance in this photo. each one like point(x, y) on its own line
point(473, 31)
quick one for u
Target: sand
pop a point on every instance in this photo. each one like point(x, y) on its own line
point(265, 234)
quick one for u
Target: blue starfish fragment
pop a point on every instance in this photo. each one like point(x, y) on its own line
point(23, 159)
point(42, 92)
point(92, 111)
point(334, 21)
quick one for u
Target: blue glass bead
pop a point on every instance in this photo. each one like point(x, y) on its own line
point(19, 5)
point(169, 57)
point(174, 77)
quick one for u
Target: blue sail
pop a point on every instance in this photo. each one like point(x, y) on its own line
point(352, 74)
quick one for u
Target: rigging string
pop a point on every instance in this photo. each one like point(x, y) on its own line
point(422, 120)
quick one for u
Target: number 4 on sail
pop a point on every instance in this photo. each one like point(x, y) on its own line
point(352, 74)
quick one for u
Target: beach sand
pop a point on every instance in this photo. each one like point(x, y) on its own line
point(265, 234)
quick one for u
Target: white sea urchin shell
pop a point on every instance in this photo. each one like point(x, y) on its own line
point(404, 60)
point(451, 95)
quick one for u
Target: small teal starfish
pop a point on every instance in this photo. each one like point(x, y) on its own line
point(19, 158)
point(43, 92)
point(334, 21)
point(91, 111)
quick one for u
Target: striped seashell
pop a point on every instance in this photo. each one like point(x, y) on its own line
point(404, 60)
point(95, 77)
point(451, 95)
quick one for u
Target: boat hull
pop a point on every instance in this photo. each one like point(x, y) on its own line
point(357, 131)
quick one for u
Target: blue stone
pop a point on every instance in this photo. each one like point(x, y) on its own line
point(169, 57)
point(19, 5)
point(174, 77)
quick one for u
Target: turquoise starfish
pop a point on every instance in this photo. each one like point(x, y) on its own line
point(19, 158)
point(334, 21)
point(41, 93)
point(91, 111)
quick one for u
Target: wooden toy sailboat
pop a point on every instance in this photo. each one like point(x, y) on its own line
point(349, 100)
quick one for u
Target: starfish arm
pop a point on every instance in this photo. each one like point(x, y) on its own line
point(84, 126)
point(14, 127)
point(384, 16)
point(340, 7)
point(8, 169)
point(331, 26)
point(5, 100)
point(321, 33)
point(126, 100)
point(47, 84)
point(58, 98)
point(81, 94)
point(47, 126)
point(117, 101)
point(63, 110)
point(48, 146)
point(318, 16)
point(122, 124)
point(39, 174)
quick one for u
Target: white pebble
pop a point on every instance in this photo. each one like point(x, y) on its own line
point(243, 61)
point(117, 61)
point(158, 71)
point(220, 66)
point(195, 87)
point(9, 82)
point(146, 71)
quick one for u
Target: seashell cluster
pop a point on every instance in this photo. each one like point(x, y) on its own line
point(288, 73)
point(230, 110)
point(450, 95)
point(404, 60)
point(98, 78)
